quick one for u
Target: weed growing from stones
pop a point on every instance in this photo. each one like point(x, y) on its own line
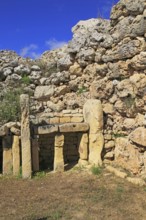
point(26, 80)
point(96, 170)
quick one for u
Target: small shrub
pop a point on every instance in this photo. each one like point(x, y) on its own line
point(119, 189)
point(117, 135)
point(26, 80)
point(10, 105)
point(96, 170)
point(81, 90)
point(129, 102)
point(19, 176)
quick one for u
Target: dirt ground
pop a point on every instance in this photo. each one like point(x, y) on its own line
point(74, 195)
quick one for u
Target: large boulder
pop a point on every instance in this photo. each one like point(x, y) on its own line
point(127, 156)
point(43, 92)
point(127, 48)
point(138, 136)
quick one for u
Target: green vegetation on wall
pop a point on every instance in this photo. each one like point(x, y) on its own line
point(10, 105)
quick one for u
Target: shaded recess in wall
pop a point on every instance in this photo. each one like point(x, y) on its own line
point(46, 151)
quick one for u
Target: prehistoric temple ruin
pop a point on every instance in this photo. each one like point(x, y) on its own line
point(83, 103)
point(68, 138)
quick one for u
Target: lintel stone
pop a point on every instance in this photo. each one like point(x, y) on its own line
point(74, 127)
point(45, 129)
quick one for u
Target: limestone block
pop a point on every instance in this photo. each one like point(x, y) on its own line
point(44, 92)
point(93, 114)
point(45, 129)
point(109, 155)
point(15, 131)
point(82, 162)
point(58, 154)
point(138, 136)
point(77, 119)
point(59, 140)
point(65, 119)
point(54, 120)
point(109, 144)
point(73, 127)
point(127, 156)
point(136, 181)
point(16, 155)
point(96, 142)
point(3, 130)
point(116, 172)
point(75, 69)
point(83, 146)
point(108, 108)
point(35, 155)
point(7, 155)
point(25, 137)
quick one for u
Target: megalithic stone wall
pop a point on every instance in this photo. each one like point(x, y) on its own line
point(25, 137)
point(93, 115)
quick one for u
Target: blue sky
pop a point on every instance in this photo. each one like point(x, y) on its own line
point(32, 26)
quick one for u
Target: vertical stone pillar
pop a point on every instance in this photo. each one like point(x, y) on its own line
point(93, 115)
point(16, 155)
point(58, 153)
point(7, 155)
point(83, 148)
point(25, 137)
point(35, 154)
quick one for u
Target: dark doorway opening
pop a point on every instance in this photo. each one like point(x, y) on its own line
point(46, 152)
point(71, 150)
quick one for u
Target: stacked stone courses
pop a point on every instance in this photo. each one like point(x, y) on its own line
point(93, 89)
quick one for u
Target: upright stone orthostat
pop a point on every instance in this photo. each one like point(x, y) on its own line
point(16, 155)
point(25, 137)
point(7, 155)
point(83, 148)
point(93, 114)
point(58, 154)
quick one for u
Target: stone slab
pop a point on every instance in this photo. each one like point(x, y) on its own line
point(16, 155)
point(3, 131)
point(74, 127)
point(45, 129)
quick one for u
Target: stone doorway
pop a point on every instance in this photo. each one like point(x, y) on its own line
point(47, 147)
point(46, 151)
point(71, 150)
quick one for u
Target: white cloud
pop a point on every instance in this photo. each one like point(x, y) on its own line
point(54, 44)
point(30, 51)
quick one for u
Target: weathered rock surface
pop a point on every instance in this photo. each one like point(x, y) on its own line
point(58, 158)
point(105, 60)
point(43, 92)
point(93, 114)
point(127, 156)
point(138, 136)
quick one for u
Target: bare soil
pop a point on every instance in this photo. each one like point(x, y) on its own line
point(74, 195)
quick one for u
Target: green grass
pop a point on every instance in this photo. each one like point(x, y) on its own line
point(81, 90)
point(26, 80)
point(39, 175)
point(96, 170)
